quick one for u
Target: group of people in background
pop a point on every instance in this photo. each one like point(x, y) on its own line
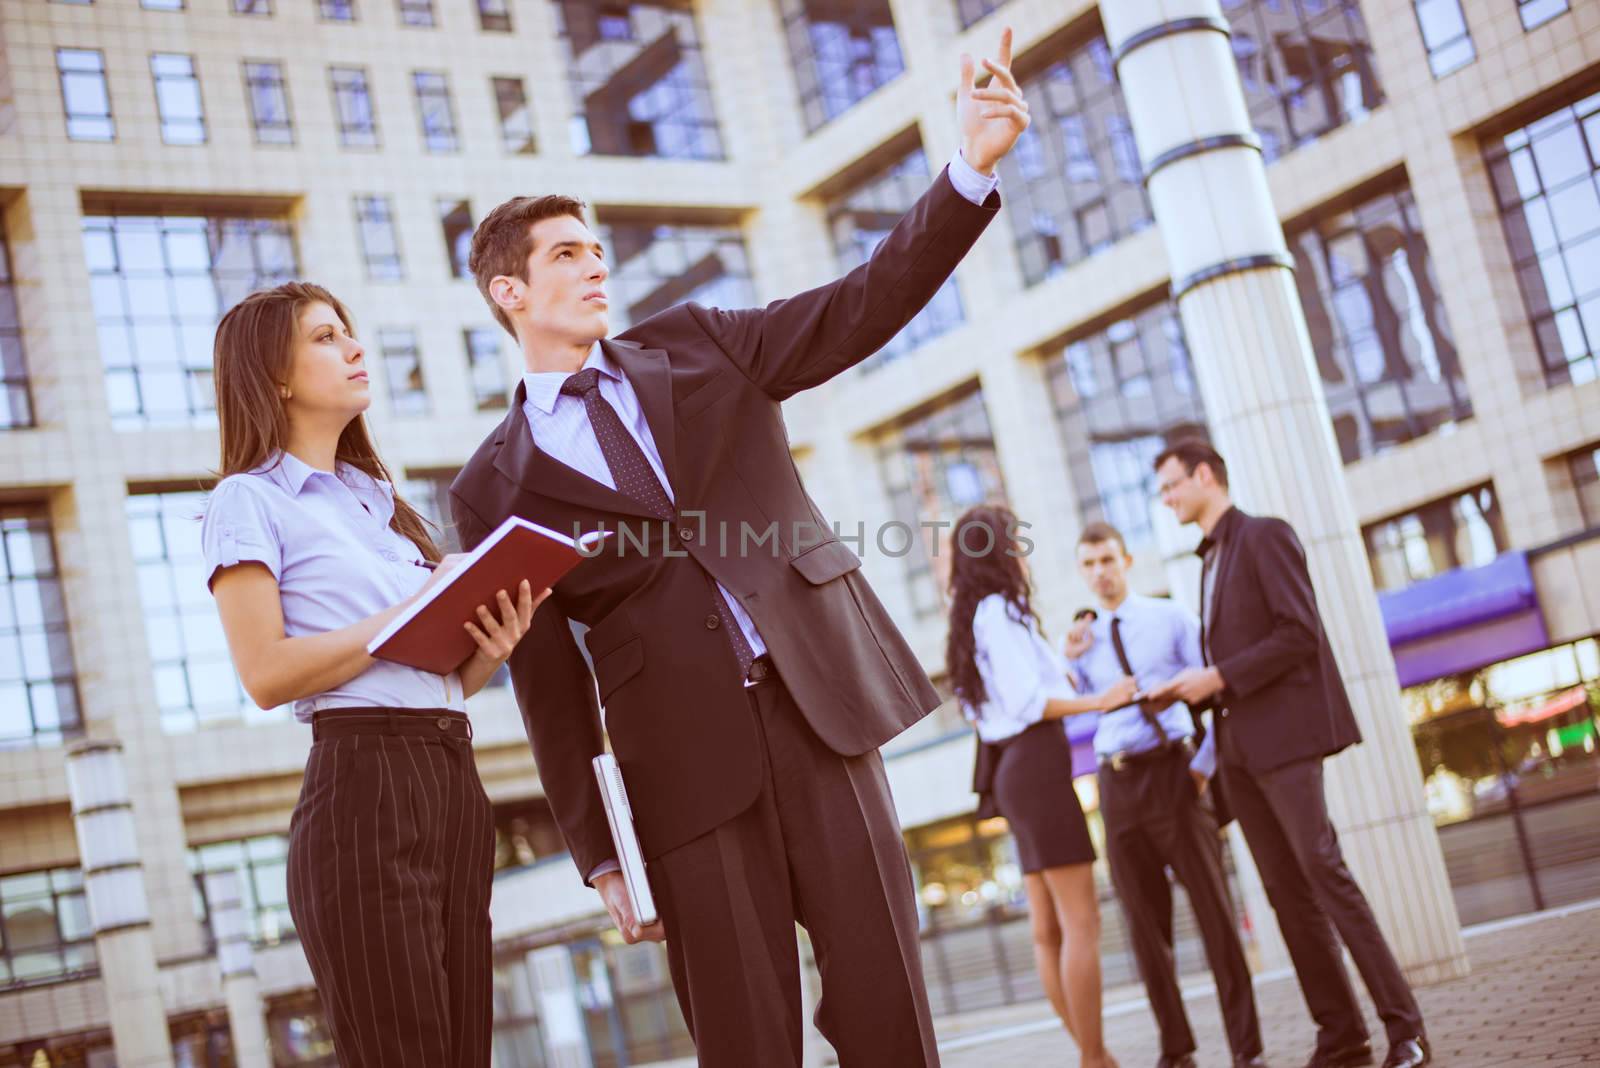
point(1257, 659)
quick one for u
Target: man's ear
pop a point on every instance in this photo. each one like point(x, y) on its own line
point(506, 291)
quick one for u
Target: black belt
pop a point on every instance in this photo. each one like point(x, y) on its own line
point(1122, 761)
point(762, 669)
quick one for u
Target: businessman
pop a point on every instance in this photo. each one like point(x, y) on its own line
point(1153, 777)
point(747, 683)
point(1280, 710)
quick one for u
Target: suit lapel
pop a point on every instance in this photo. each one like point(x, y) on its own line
point(1228, 552)
point(536, 471)
point(649, 371)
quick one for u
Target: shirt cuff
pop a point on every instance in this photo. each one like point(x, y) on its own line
point(605, 867)
point(968, 182)
point(1205, 758)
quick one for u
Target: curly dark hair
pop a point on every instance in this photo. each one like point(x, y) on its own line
point(984, 559)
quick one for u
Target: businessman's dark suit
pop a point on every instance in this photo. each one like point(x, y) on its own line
point(755, 807)
point(1284, 709)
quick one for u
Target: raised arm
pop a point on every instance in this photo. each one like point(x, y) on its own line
point(803, 341)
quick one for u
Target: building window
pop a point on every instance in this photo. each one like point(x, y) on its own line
point(380, 240)
point(195, 683)
point(1121, 395)
point(1536, 13)
point(1584, 466)
point(1378, 327)
point(455, 216)
point(429, 493)
point(935, 467)
point(494, 16)
point(38, 682)
point(970, 11)
point(657, 264)
point(358, 123)
point(402, 370)
point(518, 1036)
point(638, 80)
point(16, 402)
point(183, 119)
point(263, 891)
point(268, 95)
point(516, 121)
point(1307, 68)
point(161, 5)
point(1465, 530)
point(252, 7)
point(1445, 35)
point(1544, 179)
point(433, 107)
point(416, 12)
point(860, 218)
point(1074, 184)
point(337, 10)
point(84, 94)
point(841, 54)
point(298, 1029)
point(45, 933)
point(487, 366)
point(159, 284)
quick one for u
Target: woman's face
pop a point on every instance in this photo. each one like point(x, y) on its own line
point(327, 369)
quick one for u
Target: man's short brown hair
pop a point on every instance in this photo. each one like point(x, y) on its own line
point(504, 240)
point(1099, 532)
point(1192, 452)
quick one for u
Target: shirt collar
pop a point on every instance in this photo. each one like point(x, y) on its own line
point(292, 473)
point(544, 387)
point(1219, 533)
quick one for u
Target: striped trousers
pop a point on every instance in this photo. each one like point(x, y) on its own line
point(391, 854)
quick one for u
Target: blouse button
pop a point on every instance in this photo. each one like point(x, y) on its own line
point(390, 554)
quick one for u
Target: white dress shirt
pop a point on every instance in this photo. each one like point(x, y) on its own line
point(326, 539)
point(1020, 672)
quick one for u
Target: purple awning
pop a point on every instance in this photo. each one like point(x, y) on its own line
point(1463, 619)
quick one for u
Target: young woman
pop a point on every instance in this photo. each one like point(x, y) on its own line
point(310, 554)
point(1014, 688)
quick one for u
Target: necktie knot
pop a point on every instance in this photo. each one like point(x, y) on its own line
point(582, 384)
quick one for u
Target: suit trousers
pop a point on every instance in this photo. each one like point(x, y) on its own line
point(821, 846)
point(391, 855)
point(1284, 817)
point(1154, 819)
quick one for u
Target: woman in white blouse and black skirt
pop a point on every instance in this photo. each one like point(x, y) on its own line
point(1013, 686)
point(309, 554)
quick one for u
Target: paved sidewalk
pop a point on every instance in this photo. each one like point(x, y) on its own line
point(1533, 998)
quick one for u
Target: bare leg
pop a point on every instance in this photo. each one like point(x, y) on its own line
point(1047, 946)
point(1078, 912)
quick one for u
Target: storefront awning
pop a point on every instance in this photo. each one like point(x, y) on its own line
point(1463, 619)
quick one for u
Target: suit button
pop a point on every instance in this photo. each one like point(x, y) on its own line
point(443, 723)
point(712, 622)
point(1224, 713)
point(685, 534)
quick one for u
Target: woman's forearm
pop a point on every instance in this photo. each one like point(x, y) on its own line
point(476, 672)
point(1062, 707)
point(294, 668)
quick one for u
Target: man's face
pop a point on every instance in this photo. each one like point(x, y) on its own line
point(565, 295)
point(1181, 490)
point(1103, 566)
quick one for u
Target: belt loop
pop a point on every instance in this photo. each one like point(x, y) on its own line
point(316, 726)
point(394, 725)
point(468, 720)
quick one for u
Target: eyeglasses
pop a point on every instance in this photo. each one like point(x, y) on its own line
point(1165, 487)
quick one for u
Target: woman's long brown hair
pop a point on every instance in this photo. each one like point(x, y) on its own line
point(251, 357)
point(984, 559)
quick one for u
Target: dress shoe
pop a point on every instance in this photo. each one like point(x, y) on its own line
point(1348, 1057)
point(1409, 1053)
point(1182, 1060)
point(1257, 1061)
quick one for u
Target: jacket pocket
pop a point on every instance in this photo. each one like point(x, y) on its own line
point(826, 562)
point(618, 666)
point(704, 396)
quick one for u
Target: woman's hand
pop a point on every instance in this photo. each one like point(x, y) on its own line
point(1119, 693)
point(496, 638)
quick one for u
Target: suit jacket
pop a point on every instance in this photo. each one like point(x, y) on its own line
point(680, 722)
point(1284, 700)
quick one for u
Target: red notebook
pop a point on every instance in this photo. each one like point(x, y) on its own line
point(429, 635)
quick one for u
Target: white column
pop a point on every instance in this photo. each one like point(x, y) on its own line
point(119, 909)
point(1252, 354)
point(240, 988)
point(566, 1045)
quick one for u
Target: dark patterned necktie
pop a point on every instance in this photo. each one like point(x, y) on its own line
point(637, 481)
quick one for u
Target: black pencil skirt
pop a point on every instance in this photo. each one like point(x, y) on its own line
point(391, 854)
point(1033, 790)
